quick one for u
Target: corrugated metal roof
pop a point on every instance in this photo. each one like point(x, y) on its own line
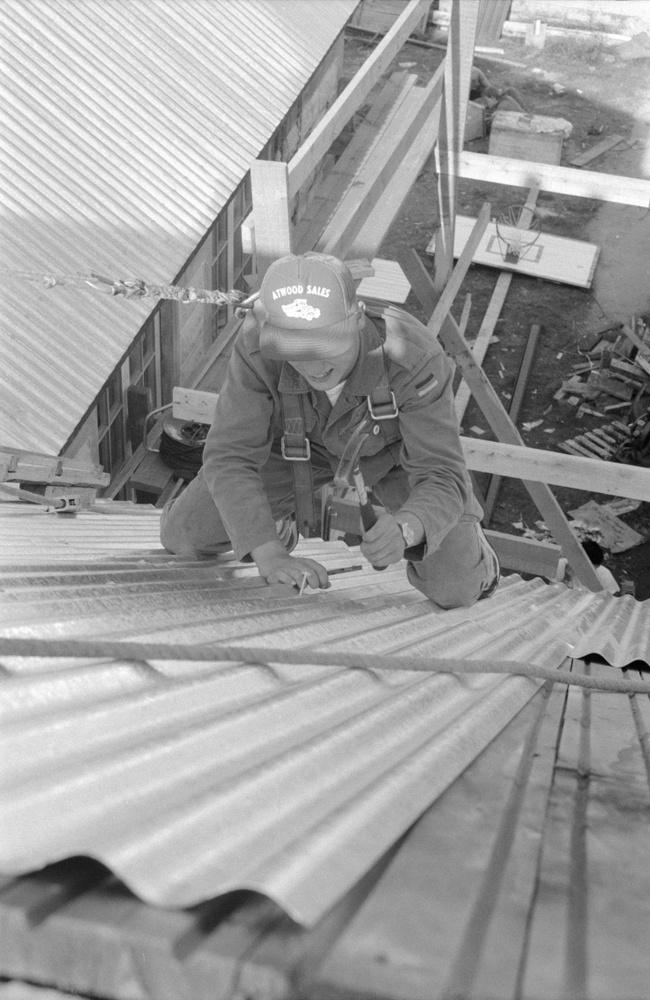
point(289, 775)
point(126, 127)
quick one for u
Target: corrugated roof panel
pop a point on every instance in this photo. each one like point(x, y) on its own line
point(287, 776)
point(126, 128)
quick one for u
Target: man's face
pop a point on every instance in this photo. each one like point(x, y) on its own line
point(325, 375)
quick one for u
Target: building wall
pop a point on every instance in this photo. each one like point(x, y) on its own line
point(625, 17)
point(171, 346)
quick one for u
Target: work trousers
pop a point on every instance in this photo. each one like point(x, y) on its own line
point(454, 572)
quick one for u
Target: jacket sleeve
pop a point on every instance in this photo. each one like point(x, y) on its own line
point(237, 448)
point(431, 454)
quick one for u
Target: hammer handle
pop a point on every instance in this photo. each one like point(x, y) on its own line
point(368, 516)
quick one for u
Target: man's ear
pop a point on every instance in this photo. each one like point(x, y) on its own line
point(361, 314)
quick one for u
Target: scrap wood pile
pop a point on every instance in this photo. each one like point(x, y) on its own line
point(613, 385)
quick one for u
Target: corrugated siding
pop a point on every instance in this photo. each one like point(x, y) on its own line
point(126, 127)
point(190, 779)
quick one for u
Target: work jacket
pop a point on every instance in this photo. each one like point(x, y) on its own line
point(423, 439)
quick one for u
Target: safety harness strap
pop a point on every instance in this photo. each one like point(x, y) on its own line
point(297, 450)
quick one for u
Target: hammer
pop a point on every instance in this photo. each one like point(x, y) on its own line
point(348, 473)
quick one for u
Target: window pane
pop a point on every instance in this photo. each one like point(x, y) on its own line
point(222, 230)
point(117, 444)
point(114, 391)
point(148, 342)
point(105, 454)
point(135, 361)
point(102, 410)
point(222, 271)
point(150, 379)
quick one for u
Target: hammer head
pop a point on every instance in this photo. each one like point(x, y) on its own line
point(343, 477)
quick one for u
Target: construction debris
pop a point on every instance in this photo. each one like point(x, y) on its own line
point(613, 382)
point(599, 521)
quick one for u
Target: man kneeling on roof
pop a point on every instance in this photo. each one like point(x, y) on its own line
point(308, 366)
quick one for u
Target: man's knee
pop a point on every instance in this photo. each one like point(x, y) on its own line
point(190, 524)
point(462, 570)
point(445, 591)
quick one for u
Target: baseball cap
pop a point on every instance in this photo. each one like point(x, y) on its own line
point(307, 308)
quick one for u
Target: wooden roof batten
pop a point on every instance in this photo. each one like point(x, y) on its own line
point(443, 104)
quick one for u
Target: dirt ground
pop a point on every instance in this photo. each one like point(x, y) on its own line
point(586, 83)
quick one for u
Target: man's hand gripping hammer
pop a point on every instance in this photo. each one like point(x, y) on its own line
point(348, 474)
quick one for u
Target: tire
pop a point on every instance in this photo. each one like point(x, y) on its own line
point(181, 447)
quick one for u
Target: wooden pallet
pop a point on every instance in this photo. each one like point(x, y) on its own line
point(601, 442)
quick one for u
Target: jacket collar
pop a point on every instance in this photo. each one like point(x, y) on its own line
point(367, 373)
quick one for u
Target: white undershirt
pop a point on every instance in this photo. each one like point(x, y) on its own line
point(334, 393)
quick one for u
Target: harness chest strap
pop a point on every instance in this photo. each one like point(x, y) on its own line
point(296, 448)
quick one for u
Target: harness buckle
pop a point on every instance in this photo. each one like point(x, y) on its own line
point(383, 410)
point(300, 452)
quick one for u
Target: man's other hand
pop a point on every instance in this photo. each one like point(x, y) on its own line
point(383, 544)
point(275, 565)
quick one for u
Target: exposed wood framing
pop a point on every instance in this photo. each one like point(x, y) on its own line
point(502, 426)
point(368, 241)
point(381, 164)
point(269, 186)
point(558, 180)
point(340, 176)
point(312, 151)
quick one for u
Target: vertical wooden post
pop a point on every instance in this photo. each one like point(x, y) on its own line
point(271, 214)
point(458, 69)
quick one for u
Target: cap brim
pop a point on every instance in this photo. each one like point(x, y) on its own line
point(279, 344)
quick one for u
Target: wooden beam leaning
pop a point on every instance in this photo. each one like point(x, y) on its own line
point(558, 180)
point(368, 241)
point(501, 424)
point(273, 236)
point(457, 73)
point(593, 475)
point(305, 161)
point(486, 397)
point(340, 177)
point(453, 285)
